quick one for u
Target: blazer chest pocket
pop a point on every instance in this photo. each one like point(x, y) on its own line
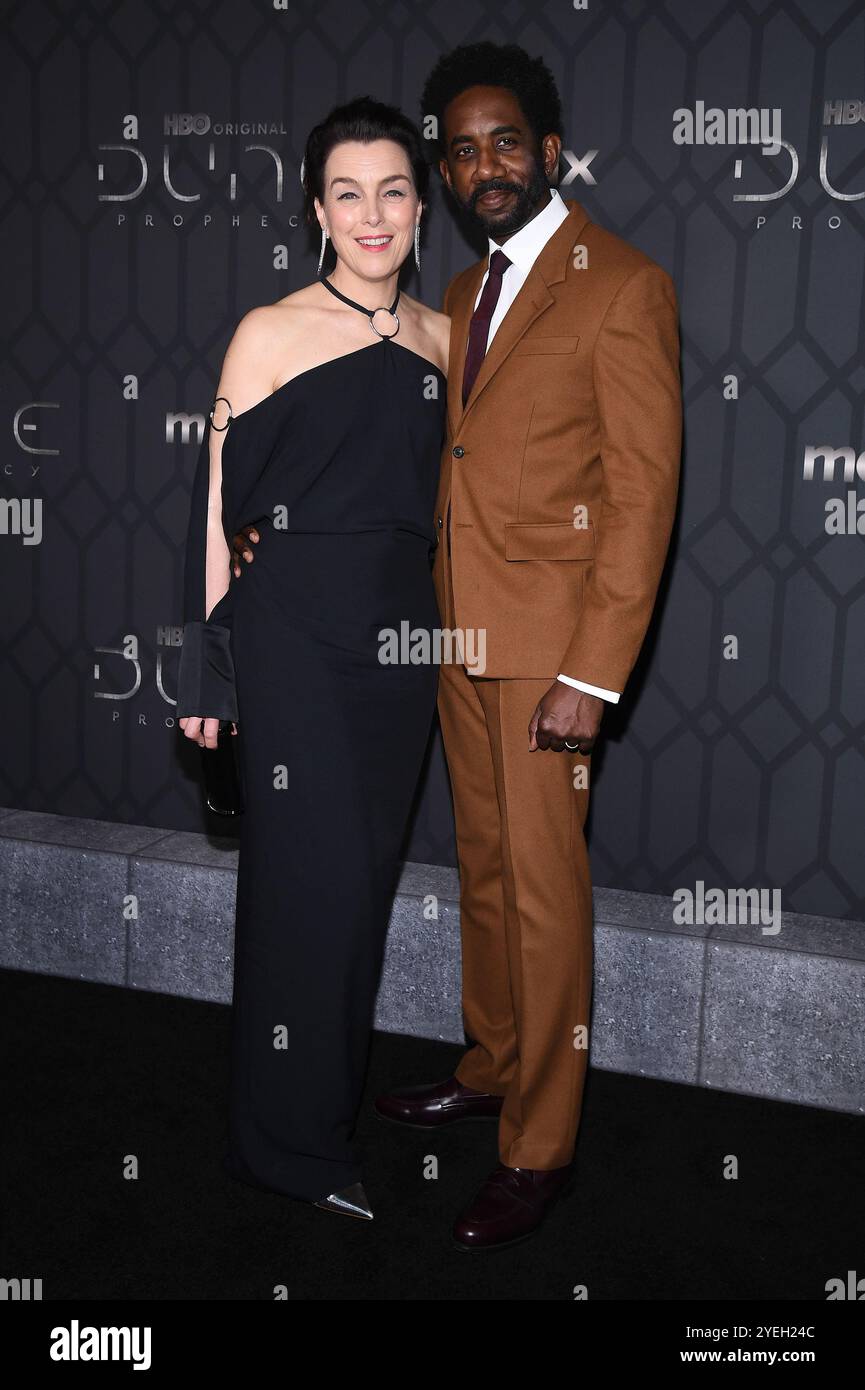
point(544, 540)
point(543, 345)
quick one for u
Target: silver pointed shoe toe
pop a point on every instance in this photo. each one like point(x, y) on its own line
point(351, 1201)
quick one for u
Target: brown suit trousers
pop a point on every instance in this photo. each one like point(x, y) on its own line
point(525, 912)
point(554, 511)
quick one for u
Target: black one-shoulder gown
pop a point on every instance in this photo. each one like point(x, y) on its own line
point(338, 471)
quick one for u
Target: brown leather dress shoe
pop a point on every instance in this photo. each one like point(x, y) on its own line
point(441, 1103)
point(509, 1206)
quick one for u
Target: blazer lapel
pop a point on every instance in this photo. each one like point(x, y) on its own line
point(534, 296)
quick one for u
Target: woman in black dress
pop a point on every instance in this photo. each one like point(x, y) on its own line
point(326, 435)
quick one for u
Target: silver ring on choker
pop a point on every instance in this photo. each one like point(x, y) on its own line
point(383, 309)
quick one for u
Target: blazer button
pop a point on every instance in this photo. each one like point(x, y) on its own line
point(458, 451)
point(439, 521)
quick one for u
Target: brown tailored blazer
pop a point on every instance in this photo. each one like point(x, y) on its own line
point(577, 404)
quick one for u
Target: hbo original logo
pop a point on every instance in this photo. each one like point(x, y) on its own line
point(185, 123)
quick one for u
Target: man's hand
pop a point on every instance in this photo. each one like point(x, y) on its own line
point(566, 714)
point(203, 731)
point(240, 548)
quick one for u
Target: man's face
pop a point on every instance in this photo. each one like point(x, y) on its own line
point(494, 167)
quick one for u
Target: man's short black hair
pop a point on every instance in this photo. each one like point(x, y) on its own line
point(494, 65)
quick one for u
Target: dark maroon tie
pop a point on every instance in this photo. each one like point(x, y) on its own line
point(479, 329)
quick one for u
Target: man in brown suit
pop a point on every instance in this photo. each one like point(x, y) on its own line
point(556, 501)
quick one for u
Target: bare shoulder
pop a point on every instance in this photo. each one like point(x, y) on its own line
point(247, 369)
point(272, 323)
point(262, 346)
point(441, 330)
point(433, 331)
point(252, 333)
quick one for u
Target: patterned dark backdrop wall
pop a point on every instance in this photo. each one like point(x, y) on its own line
point(151, 196)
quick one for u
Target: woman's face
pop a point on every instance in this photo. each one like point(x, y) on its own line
point(370, 206)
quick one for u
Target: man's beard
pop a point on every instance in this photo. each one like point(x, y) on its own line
point(525, 201)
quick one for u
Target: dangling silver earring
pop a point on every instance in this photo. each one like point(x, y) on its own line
point(323, 244)
point(417, 244)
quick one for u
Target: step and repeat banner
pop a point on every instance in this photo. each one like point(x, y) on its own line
point(151, 196)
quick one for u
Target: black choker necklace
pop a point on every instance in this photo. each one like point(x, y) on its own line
point(370, 313)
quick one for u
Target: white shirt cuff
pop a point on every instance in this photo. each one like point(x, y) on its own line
point(611, 695)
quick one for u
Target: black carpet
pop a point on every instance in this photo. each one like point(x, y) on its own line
point(92, 1075)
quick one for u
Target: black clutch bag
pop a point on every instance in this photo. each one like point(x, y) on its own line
point(221, 775)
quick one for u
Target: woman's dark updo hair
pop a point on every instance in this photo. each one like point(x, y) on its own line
point(366, 120)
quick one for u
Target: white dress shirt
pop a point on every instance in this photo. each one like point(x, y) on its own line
point(522, 250)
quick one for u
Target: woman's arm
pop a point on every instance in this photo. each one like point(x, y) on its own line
point(216, 575)
point(206, 684)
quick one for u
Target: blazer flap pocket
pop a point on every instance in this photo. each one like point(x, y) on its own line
point(541, 344)
point(548, 540)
